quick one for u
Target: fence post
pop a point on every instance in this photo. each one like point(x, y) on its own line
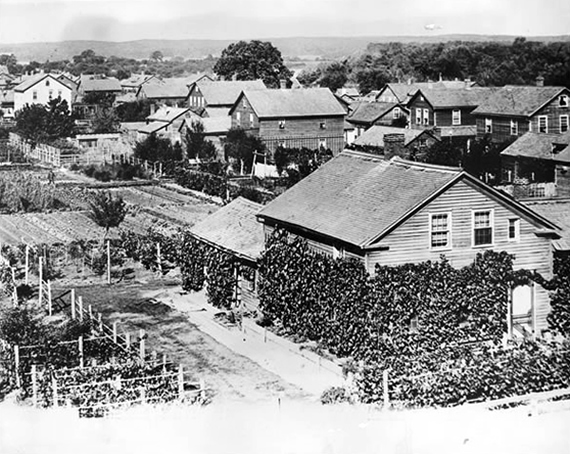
point(50, 309)
point(73, 304)
point(158, 259)
point(54, 391)
point(34, 386)
point(115, 332)
point(80, 307)
point(141, 344)
point(80, 344)
point(180, 381)
point(128, 340)
point(27, 264)
point(100, 320)
point(108, 262)
point(15, 293)
point(164, 361)
point(41, 273)
point(17, 363)
point(386, 397)
point(90, 313)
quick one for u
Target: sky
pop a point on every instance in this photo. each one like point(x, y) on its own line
point(125, 20)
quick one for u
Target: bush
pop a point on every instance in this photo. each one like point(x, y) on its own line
point(334, 395)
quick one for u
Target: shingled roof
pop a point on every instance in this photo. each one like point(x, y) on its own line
point(514, 100)
point(225, 92)
point(234, 228)
point(30, 81)
point(168, 114)
point(308, 102)
point(166, 88)
point(559, 212)
point(94, 84)
point(369, 112)
point(358, 198)
point(404, 91)
point(441, 98)
point(374, 137)
point(549, 147)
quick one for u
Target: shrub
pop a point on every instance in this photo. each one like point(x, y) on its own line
point(334, 395)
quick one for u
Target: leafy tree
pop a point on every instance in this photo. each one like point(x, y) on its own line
point(157, 56)
point(133, 111)
point(99, 99)
point(444, 153)
point(241, 146)
point(155, 149)
point(297, 163)
point(483, 160)
point(197, 146)
point(106, 210)
point(253, 60)
point(39, 123)
point(334, 76)
point(308, 77)
point(105, 120)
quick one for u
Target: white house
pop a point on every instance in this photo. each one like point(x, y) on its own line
point(40, 89)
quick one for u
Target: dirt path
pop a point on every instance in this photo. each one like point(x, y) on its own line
point(229, 375)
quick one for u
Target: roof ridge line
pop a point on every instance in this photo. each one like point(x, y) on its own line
point(436, 167)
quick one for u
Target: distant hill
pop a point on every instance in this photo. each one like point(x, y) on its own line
point(326, 47)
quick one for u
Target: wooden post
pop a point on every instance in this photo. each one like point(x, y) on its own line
point(128, 339)
point(15, 292)
point(90, 313)
point(100, 320)
point(80, 307)
point(164, 361)
point(54, 392)
point(108, 262)
point(17, 364)
point(50, 309)
point(34, 386)
point(510, 315)
point(141, 345)
point(115, 332)
point(41, 272)
point(80, 344)
point(180, 381)
point(158, 259)
point(265, 334)
point(27, 264)
point(386, 396)
point(73, 304)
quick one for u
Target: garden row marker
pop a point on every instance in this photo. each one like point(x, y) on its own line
point(100, 319)
point(34, 386)
point(141, 345)
point(180, 381)
point(90, 313)
point(80, 344)
point(17, 362)
point(73, 304)
point(386, 396)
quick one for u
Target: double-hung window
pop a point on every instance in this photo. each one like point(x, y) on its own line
point(456, 117)
point(483, 228)
point(426, 116)
point(488, 125)
point(542, 123)
point(514, 229)
point(418, 116)
point(440, 230)
point(563, 123)
point(281, 124)
point(514, 128)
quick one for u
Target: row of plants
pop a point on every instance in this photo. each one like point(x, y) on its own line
point(459, 374)
point(111, 172)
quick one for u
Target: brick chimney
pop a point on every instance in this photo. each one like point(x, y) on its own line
point(394, 146)
point(540, 81)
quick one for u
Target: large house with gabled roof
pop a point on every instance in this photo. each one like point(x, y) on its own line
point(310, 118)
point(211, 98)
point(41, 89)
point(515, 110)
point(366, 114)
point(381, 212)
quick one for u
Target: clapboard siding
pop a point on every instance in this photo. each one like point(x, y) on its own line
point(410, 242)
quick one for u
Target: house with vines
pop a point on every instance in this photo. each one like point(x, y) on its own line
point(392, 212)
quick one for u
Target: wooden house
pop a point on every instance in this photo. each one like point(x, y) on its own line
point(514, 110)
point(537, 166)
point(364, 207)
point(389, 141)
point(365, 114)
point(41, 89)
point(403, 92)
point(215, 98)
point(165, 123)
point(234, 229)
point(311, 118)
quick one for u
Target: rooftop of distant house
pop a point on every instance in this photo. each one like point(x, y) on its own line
point(225, 92)
point(549, 147)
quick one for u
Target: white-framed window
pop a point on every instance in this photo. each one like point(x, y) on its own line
point(238, 118)
point(514, 229)
point(281, 124)
point(47, 82)
point(418, 116)
point(530, 126)
point(563, 101)
point(483, 228)
point(542, 123)
point(251, 120)
point(456, 117)
point(396, 113)
point(514, 128)
point(323, 124)
point(488, 125)
point(338, 252)
point(426, 116)
point(50, 94)
point(563, 123)
point(440, 230)
point(34, 95)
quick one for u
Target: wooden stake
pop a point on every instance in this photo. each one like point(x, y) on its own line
point(80, 307)
point(100, 320)
point(41, 272)
point(108, 262)
point(141, 345)
point(73, 304)
point(202, 389)
point(27, 264)
point(17, 364)
point(128, 339)
point(143, 395)
point(50, 308)
point(15, 293)
point(90, 313)
point(180, 381)
point(80, 345)
point(158, 259)
point(34, 386)
point(386, 396)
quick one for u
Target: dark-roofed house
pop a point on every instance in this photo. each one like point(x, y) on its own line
point(403, 92)
point(515, 110)
point(40, 89)
point(537, 165)
point(390, 141)
point(99, 84)
point(165, 122)
point(450, 110)
point(365, 114)
point(169, 91)
point(234, 229)
point(133, 83)
point(393, 212)
point(311, 118)
point(219, 95)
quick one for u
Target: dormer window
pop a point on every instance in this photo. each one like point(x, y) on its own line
point(563, 101)
point(47, 83)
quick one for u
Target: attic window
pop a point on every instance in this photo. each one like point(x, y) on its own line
point(47, 83)
point(396, 113)
point(281, 124)
point(563, 101)
point(323, 125)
